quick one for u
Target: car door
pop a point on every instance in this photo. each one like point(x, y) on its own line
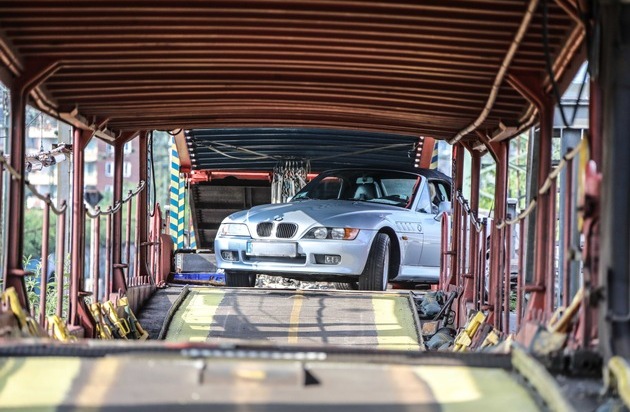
point(431, 250)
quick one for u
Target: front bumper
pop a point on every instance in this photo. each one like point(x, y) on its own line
point(353, 256)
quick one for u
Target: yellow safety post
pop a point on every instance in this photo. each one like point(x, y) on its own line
point(59, 330)
point(491, 339)
point(464, 337)
point(121, 325)
point(139, 332)
point(28, 325)
point(103, 331)
point(618, 378)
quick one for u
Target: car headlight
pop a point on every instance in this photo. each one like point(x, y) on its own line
point(337, 233)
point(233, 229)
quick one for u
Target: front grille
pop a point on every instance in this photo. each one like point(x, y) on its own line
point(264, 229)
point(286, 230)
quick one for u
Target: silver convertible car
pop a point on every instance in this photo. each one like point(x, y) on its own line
point(359, 227)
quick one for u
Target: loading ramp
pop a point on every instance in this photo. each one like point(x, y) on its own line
point(384, 320)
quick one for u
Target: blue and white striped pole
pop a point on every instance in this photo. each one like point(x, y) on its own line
point(177, 200)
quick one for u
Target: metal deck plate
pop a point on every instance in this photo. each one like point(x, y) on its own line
point(375, 320)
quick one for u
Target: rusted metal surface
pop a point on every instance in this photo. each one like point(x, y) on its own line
point(142, 231)
point(425, 68)
point(15, 207)
point(60, 256)
point(43, 269)
point(108, 256)
point(96, 256)
point(80, 140)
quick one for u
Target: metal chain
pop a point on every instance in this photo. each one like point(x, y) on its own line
point(46, 199)
point(117, 206)
point(473, 217)
point(544, 188)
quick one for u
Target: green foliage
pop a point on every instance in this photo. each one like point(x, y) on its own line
point(33, 290)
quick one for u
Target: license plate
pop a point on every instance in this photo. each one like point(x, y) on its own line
point(271, 249)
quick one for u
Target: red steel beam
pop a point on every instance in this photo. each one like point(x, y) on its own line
point(33, 75)
point(60, 253)
point(142, 215)
point(43, 268)
point(118, 276)
point(81, 138)
point(530, 86)
point(471, 283)
point(456, 241)
point(499, 152)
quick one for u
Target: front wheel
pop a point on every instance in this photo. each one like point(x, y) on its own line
point(376, 272)
point(346, 285)
point(240, 280)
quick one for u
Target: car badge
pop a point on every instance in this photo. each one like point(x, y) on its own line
point(278, 218)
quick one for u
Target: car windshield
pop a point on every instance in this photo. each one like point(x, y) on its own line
point(378, 186)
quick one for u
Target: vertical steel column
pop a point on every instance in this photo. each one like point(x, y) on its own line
point(506, 279)
point(108, 255)
point(613, 217)
point(530, 87)
point(142, 226)
point(544, 233)
point(118, 282)
point(128, 233)
point(550, 295)
point(482, 264)
point(60, 252)
point(457, 235)
point(96, 255)
point(499, 253)
point(80, 140)
point(470, 288)
point(33, 75)
point(43, 268)
point(567, 231)
point(499, 151)
point(521, 274)
point(14, 273)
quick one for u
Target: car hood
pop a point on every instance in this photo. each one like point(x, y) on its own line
point(307, 213)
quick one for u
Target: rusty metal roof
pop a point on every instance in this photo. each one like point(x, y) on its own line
point(262, 149)
point(402, 67)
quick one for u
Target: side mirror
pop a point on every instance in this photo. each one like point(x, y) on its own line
point(443, 207)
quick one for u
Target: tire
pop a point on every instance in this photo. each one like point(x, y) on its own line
point(346, 285)
point(240, 280)
point(376, 272)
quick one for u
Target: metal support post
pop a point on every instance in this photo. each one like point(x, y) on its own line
point(14, 273)
point(60, 253)
point(80, 140)
point(96, 256)
point(568, 270)
point(471, 284)
point(32, 76)
point(550, 295)
point(142, 233)
point(609, 261)
point(43, 268)
point(499, 151)
point(118, 276)
point(530, 87)
point(457, 234)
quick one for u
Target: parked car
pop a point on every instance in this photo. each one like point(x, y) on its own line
point(354, 225)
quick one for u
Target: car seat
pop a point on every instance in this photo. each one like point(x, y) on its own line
point(365, 191)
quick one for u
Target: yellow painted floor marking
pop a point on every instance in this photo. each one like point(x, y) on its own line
point(41, 383)
point(98, 386)
point(463, 389)
point(394, 323)
point(193, 319)
point(294, 321)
